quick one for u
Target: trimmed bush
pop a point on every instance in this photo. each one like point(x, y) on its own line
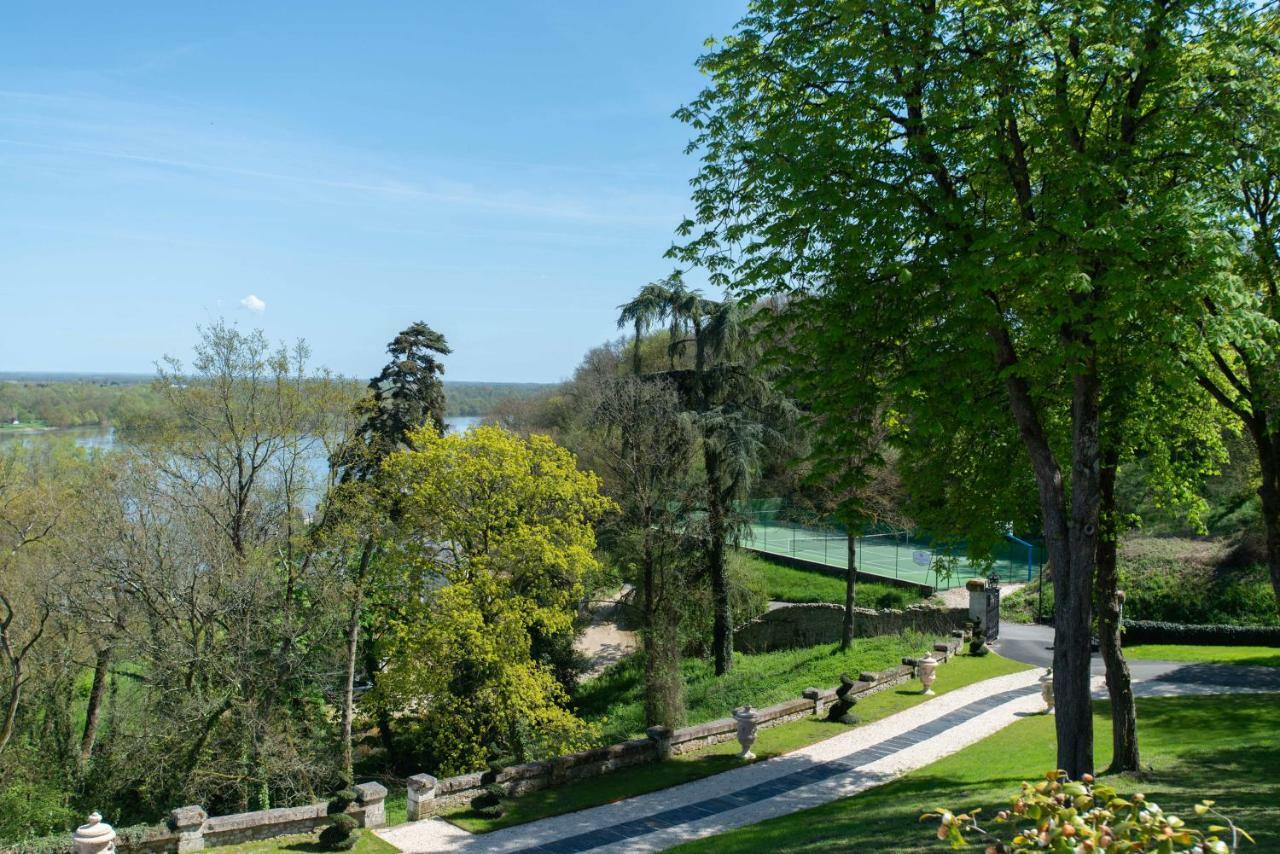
point(342, 799)
point(341, 834)
point(1150, 631)
point(490, 803)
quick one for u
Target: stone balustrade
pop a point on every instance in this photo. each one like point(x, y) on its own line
point(191, 829)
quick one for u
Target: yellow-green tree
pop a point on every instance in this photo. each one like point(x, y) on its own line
point(497, 543)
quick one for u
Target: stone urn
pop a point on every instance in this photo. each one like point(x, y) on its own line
point(1046, 690)
point(95, 836)
point(928, 668)
point(748, 720)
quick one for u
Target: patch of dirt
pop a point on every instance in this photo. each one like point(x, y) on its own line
point(603, 642)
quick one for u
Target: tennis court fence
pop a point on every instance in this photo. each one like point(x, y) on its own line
point(908, 556)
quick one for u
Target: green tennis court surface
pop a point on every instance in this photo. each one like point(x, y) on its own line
point(894, 555)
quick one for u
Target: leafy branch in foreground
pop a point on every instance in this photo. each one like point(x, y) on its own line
point(1059, 814)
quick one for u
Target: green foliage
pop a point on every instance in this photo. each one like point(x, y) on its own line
point(1061, 814)
point(341, 834)
point(342, 799)
point(31, 809)
point(615, 698)
point(491, 802)
point(748, 599)
point(517, 517)
point(1148, 631)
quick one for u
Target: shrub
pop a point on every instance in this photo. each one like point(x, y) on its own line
point(342, 799)
point(1150, 631)
point(341, 834)
point(490, 803)
point(748, 599)
point(34, 809)
point(1058, 814)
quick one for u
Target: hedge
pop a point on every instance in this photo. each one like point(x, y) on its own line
point(1151, 631)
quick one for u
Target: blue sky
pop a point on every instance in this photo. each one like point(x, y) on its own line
point(508, 172)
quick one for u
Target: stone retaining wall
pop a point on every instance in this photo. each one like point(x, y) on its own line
point(812, 624)
point(429, 796)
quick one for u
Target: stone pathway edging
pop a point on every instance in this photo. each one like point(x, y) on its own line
point(860, 757)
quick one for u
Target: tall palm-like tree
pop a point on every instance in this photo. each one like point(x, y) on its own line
point(651, 305)
point(726, 396)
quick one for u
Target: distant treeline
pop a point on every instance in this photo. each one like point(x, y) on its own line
point(102, 400)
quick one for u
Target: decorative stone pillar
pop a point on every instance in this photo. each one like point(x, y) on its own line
point(422, 794)
point(816, 696)
point(977, 602)
point(1046, 690)
point(371, 797)
point(748, 723)
point(95, 836)
point(661, 738)
point(928, 668)
point(189, 822)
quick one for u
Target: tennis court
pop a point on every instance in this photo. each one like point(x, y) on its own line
point(895, 554)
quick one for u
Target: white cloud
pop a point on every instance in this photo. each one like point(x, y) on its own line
point(252, 303)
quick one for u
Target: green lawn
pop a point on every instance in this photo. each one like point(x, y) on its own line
point(773, 741)
point(1263, 656)
point(1224, 748)
point(366, 844)
point(787, 584)
point(615, 699)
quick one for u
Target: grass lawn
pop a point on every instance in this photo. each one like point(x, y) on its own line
point(1224, 748)
point(615, 699)
point(1264, 656)
point(772, 741)
point(366, 844)
point(787, 584)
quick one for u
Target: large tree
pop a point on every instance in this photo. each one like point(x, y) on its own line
point(495, 545)
point(1240, 365)
point(644, 440)
point(990, 191)
point(732, 404)
point(405, 395)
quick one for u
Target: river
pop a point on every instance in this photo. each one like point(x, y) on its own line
point(104, 438)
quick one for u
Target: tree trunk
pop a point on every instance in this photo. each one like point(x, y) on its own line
point(11, 711)
point(1269, 460)
point(850, 591)
point(353, 648)
point(1073, 589)
point(722, 631)
point(101, 668)
point(1070, 540)
point(1124, 714)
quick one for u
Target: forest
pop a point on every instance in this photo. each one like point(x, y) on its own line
point(125, 400)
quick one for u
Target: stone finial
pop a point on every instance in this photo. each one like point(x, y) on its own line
point(370, 796)
point(422, 793)
point(95, 836)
